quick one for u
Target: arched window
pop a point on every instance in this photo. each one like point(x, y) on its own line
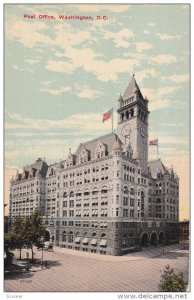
point(78, 194)
point(86, 193)
point(132, 191)
point(93, 233)
point(127, 114)
point(70, 237)
point(104, 190)
point(71, 194)
point(103, 235)
point(132, 112)
point(64, 236)
point(122, 117)
point(65, 195)
point(126, 190)
point(95, 191)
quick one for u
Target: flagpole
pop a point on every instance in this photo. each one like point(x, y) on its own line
point(157, 150)
point(112, 119)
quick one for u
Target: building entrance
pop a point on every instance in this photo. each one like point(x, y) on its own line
point(144, 240)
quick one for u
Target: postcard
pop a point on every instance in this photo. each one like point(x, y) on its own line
point(97, 148)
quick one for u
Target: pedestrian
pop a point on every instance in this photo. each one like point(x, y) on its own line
point(45, 263)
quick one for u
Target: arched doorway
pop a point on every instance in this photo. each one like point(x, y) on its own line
point(153, 239)
point(144, 240)
point(47, 235)
point(161, 238)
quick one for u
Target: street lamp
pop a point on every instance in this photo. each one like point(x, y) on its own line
point(27, 262)
point(42, 246)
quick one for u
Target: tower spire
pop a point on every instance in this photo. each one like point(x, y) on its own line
point(132, 89)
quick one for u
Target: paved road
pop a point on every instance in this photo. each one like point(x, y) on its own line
point(70, 270)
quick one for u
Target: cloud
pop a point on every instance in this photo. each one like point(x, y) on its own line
point(75, 122)
point(172, 124)
point(120, 38)
point(166, 37)
point(15, 67)
point(143, 46)
point(158, 97)
point(178, 78)
point(83, 91)
point(163, 59)
point(31, 35)
point(31, 61)
point(25, 33)
point(151, 24)
point(58, 91)
point(86, 92)
point(146, 32)
point(89, 61)
point(146, 73)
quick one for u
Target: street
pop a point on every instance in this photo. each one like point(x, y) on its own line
point(73, 271)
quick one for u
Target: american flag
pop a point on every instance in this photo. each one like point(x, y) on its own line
point(153, 143)
point(107, 115)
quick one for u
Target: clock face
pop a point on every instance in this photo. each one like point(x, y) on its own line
point(126, 130)
point(143, 131)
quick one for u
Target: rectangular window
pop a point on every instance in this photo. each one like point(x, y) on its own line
point(65, 213)
point(71, 213)
point(117, 212)
point(125, 212)
point(71, 203)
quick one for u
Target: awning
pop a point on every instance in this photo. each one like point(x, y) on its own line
point(85, 241)
point(103, 242)
point(77, 239)
point(94, 242)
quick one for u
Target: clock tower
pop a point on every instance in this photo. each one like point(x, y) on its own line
point(133, 122)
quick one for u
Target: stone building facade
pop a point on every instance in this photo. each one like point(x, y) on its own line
point(106, 197)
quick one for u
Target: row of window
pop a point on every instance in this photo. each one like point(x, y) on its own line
point(86, 213)
point(86, 202)
point(24, 186)
point(104, 190)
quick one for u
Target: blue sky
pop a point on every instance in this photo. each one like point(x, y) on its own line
point(61, 75)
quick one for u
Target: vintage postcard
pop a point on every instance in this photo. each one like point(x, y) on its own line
point(97, 101)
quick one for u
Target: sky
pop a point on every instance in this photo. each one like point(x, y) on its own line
point(62, 75)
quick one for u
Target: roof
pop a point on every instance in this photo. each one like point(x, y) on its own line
point(108, 139)
point(156, 166)
point(132, 89)
point(38, 165)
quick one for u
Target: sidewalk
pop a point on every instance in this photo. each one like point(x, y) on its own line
point(145, 254)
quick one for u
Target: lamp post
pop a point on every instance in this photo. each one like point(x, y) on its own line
point(27, 262)
point(42, 246)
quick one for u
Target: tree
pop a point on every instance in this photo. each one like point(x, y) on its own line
point(171, 282)
point(15, 238)
point(25, 231)
point(34, 229)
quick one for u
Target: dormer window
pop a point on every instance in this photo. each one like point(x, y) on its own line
point(101, 150)
point(85, 155)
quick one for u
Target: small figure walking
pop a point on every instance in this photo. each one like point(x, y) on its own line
point(45, 263)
